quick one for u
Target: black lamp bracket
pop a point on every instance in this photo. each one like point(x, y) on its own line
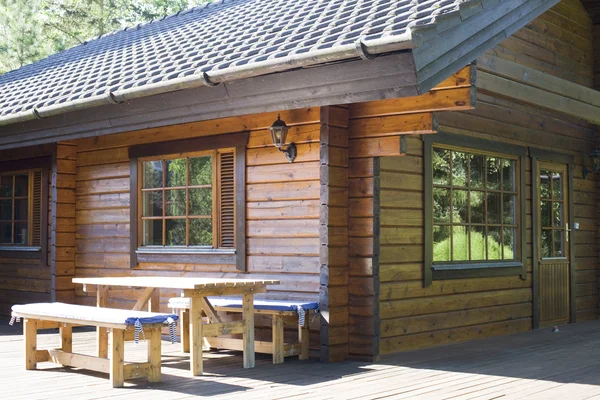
point(290, 152)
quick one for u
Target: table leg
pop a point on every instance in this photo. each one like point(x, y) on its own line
point(102, 333)
point(184, 328)
point(30, 335)
point(154, 343)
point(154, 302)
point(248, 316)
point(196, 337)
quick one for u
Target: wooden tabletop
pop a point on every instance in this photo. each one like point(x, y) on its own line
point(168, 282)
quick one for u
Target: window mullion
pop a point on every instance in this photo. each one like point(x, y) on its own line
point(215, 188)
point(451, 209)
point(164, 202)
point(187, 201)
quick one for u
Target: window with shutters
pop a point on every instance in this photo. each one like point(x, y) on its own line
point(186, 205)
point(187, 200)
point(21, 213)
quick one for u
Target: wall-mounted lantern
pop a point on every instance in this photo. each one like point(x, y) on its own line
point(595, 157)
point(279, 132)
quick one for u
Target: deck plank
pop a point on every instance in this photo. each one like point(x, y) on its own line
point(533, 365)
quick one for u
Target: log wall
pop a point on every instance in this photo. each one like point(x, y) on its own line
point(21, 280)
point(559, 43)
point(283, 208)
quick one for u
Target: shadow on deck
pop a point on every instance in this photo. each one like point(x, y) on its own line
point(539, 364)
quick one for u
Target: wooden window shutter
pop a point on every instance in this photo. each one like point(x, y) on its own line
point(36, 209)
point(226, 197)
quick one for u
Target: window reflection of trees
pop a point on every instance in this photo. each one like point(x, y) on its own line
point(474, 206)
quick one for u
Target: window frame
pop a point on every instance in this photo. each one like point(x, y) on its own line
point(186, 254)
point(472, 269)
point(29, 252)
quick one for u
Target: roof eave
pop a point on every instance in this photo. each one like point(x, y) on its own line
point(359, 49)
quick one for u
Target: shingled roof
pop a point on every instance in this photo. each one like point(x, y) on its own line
point(236, 39)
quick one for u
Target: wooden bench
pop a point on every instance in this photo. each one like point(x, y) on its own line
point(38, 315)
point(280, 311)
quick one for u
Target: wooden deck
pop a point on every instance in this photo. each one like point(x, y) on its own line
point(534, 365)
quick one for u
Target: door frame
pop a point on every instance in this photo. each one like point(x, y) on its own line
point(538, 155)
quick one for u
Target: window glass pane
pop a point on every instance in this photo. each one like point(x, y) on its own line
point(5, 233)
point(200, 171)
point(441, 167)
point(22, 185)
point(201, 201)
point(508, 204)
point(175, 232)
point(494, 243)
point(557, 214)
point(508, 175)
point(545, 184)
point(546, 213)
point(6, 186)
point(21, 206)
point(460, 243)
point(477, 200)
point(21, 233)
point(477, 243)
point(557, 186)
point(493, 173)
point(176, 173)
point(201, 232)
point(460, 162)
point(493, 208)
point(510, 243)
point(559, 243)
point(152, 204)
point(441, 243)
point(460, 206)
point(477, 171)
point(175, 202)
point(546, 241)
point(441, 205)
point(153, 232)
point(6, 210)
point(153, 174)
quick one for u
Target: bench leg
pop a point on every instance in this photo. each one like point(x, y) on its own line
point(196, 337)
point(184, 328)
point(117, 357)
point(66, 338)
point(154, 358)
point(277, 339)
point(30, 338)
point(304, 337)
point(248, 316)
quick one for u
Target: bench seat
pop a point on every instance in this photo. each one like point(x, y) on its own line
point(279, 311)
point(117, 320)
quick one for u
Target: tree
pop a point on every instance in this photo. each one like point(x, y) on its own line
point(34, 29)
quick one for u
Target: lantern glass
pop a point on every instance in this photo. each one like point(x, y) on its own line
point(279, 132)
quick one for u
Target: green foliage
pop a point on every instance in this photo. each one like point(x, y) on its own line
point(34, 29)
point(460, 241)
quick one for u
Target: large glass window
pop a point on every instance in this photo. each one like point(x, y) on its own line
point(188, 200)
point(474, 206)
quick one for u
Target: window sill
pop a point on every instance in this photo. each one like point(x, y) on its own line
point(186, 255)
point(20, 252)
point(476, 270)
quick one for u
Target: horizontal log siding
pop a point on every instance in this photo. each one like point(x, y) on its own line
point(26, 281)
point(559, 42)
point(375, 131)
point(282, 229)
point(449, 311)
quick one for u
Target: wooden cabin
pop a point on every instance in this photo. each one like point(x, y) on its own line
point(444, 187)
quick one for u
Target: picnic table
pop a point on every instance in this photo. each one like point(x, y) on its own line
point(197, 289)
